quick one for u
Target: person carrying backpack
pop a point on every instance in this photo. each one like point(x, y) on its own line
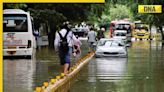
point(63, 45)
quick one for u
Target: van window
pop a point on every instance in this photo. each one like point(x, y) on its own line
point(122, 26)
point(120, 34)
point(15, 23)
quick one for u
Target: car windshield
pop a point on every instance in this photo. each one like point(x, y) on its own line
point(141, 26)
point(111, 43)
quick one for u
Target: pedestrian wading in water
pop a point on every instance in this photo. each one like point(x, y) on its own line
point(91, 39)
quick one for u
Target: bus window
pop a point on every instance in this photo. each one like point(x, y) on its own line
point(15, 23)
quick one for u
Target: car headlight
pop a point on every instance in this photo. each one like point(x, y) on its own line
point(98, 50)
point(137, 30)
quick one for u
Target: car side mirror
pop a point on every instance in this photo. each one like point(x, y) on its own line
point(120, 44)
point(127, 45)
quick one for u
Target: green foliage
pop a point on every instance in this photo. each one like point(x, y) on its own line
point(105, 17)
point(95, 13)
point(47, 16)
point(102, 14)
point(118, 12)
point(14, 6)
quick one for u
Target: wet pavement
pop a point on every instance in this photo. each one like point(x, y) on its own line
point(142, 71)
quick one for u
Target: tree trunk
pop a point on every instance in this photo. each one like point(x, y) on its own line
point(46, 24)
point(150, 32)
point(162, 34)
point(51, 35)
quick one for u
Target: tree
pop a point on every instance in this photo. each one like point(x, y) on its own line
point(14, 6)
point(118, 12)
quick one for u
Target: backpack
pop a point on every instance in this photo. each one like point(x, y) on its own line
point(63, 43)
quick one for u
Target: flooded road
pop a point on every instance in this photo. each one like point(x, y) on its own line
point(23, 75)
point(142, 71)
point(18, 75)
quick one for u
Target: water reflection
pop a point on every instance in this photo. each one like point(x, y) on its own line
point(46, 69)
point(107, 69)
point(147, 45)
point(101, 75)
point(141, 72)
point(19, 74)
point(23, 75)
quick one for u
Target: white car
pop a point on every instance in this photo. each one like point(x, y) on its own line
point(111, 47)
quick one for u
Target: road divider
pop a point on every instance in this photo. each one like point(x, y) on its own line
point(56, 84)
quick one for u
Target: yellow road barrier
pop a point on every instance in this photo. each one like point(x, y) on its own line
point(53, 81)
point(55, 85)
point(45, 84)
point(38, 89)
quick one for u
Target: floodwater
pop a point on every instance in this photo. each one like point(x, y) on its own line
point(142, 71)
point(23, 75)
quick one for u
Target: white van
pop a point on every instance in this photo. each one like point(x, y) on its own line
point(122, 28)
point(18, 38)
point(120, 34)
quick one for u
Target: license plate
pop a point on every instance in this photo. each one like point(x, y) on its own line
point(11, 47)
point(140, 34)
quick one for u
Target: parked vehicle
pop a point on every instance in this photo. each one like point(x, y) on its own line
point(121, 25)
point(111, 47)
point(79, 31)
point(18, 38)
point(120, 34)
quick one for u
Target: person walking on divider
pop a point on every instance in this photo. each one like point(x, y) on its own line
point(63, 44)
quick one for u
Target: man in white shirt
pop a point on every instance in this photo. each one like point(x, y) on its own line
point(91, 39)
point(65, 57)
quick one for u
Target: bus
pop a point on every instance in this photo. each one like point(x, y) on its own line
point(141, 30)
point(18, 38)
point(121, 26)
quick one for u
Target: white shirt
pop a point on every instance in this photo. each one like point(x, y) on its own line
point(91, 36)
point(71, 39)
